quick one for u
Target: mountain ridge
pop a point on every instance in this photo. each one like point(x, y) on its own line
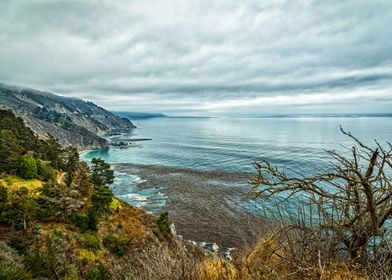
point(73, 121)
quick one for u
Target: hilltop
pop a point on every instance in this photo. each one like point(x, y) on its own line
point(74, 122)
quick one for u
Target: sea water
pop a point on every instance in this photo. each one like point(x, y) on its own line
point(231, 144)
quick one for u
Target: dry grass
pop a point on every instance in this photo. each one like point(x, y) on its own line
point(128, 221)
point(15, 182)
point(268, 260)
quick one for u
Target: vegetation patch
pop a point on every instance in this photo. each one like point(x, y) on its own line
point(91, 241)
point(15, 182)
point(115, 205)
point(117, 244)
point(164, 224)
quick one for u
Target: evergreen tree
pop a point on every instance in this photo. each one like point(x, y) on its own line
point(101, 174)
point(53, 152)
point(101, 199)
point(10, 150)
point(21, 206)
point(3, 203)
point(101, 177)
point(71, 161)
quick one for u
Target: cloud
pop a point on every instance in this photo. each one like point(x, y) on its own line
point(213, 57)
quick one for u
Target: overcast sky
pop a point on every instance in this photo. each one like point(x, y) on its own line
point(204, 56)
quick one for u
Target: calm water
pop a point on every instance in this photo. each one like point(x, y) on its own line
point(231, 144)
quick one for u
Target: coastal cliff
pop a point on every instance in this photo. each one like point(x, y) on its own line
point(74, 122)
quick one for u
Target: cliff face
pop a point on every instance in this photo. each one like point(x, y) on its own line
point(72, 121)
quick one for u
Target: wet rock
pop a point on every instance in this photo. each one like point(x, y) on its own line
point(173, 229)
point(226, 253)
point(121, 144)
point(212, 247)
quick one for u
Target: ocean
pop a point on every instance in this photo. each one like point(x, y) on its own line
point(198, 169)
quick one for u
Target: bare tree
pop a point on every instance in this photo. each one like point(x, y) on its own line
point(349, 204)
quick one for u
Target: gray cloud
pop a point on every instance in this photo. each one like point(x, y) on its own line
point(203, 56)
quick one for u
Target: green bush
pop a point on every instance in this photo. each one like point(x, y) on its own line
point(84, 261)
point(90, 241)
point(43, 264)
point(27, 167)
point(46, 210)
point(99, 272)
point(118, 245)
point(20, 244)
point(82, 221)
point(93, 220)
point(14, 273)
point(85, 221)
point(47, 173)
point(40, 166)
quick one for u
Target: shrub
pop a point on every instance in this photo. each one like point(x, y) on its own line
point(84, 261)
point(44, 264)
point(118, 245)
point(40, 166)
point(14, 273)
point(98, 272)
point(90, 241)
point(27, 167)
point(81, 220)
point(46, 210)
point(85, 221)
point(93, 220)
point(20, 244)
point(47, 173)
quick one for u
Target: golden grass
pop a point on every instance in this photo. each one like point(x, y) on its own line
point(128, 221)
point(216, 268)
point(15, 182)
point(267, 261)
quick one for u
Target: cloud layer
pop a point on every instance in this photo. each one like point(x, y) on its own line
point(212, 57)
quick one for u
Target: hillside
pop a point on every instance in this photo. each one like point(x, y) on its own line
point(60, 220)
point(72, 121)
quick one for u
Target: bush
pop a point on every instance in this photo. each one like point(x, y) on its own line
point(46, 210)
point(27, 167)
point(85, 221)
point(40, 166)
point(47, 173)
point(14, 273)
point(118, 245)
point(20, 244)
point(98, 272)
point(84, 261)
point(90, 241)
point(81, 220)
point(44, 264)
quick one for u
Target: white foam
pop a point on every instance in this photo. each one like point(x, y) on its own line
point(136, 179)
point(134, 198)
